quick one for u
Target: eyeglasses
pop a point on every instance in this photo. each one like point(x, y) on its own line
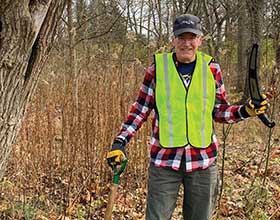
point(185, 40)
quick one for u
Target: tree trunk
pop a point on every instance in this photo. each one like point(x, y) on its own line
point(256, 9)
point(159, 30)
point(141, 18)
point(71, 40)
point(26, 32)
point(275, 19)
point(276, 43)
point(219, 20)
point(241, 47)
point(208, 26)
point(72, 52)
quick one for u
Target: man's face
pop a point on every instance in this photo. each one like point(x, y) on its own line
point(186, 45)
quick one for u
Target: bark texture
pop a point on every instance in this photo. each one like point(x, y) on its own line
point(27, 29)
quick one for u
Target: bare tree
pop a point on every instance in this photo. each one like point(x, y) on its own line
point(241, 46)
point(275, 29)
point(72, 50)
point(27, 29)
point(215, 17)
point(256, 10)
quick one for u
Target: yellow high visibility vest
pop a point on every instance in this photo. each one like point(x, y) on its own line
point(185, 114)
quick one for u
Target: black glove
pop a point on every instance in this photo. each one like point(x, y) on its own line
point(117, 154)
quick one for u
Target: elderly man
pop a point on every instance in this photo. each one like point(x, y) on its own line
point(186, 91)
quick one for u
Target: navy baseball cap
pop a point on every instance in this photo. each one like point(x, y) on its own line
point(187, 23)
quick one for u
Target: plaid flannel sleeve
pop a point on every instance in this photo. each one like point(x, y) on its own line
point(224, 112)
point(141, 108)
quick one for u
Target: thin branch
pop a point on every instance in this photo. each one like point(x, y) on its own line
point(225, 136)
point(274, 213)
point(269, 145)
point(188, 6)
point(87, 20)
point(64, 21)
point(101, 34)
point(147, 29)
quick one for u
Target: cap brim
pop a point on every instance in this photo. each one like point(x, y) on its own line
point(187, 30)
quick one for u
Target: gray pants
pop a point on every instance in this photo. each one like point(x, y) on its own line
point(200, 192)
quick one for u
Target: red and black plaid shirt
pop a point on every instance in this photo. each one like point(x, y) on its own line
point(196, 158)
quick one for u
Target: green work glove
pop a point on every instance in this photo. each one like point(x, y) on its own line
point(254, 110)
point(117, 154)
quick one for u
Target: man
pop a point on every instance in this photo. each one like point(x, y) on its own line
point(186, 91)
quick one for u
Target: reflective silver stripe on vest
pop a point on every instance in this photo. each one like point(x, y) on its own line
point(167, 88)
point(204, 99)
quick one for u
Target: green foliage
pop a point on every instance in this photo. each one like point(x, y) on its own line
point(28, 211)
point(81, 212)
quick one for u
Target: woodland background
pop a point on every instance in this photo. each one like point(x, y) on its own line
point(56, 167)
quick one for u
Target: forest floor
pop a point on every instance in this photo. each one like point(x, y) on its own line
point(249, 190)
